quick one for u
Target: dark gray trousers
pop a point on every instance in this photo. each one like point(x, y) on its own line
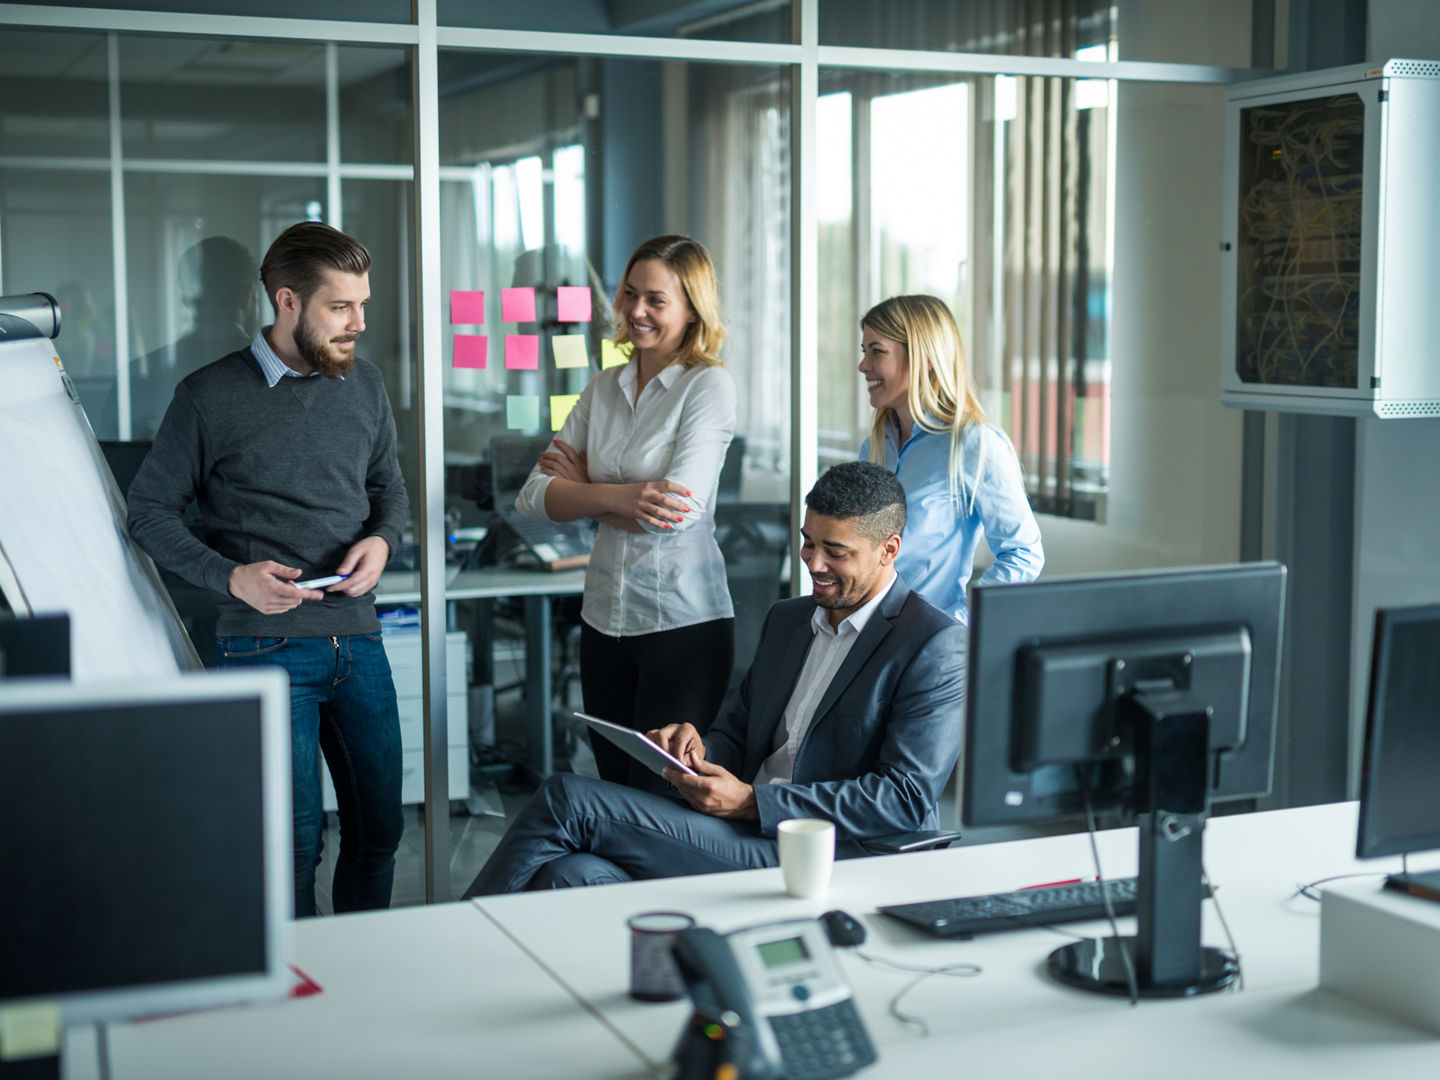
point(577, 830)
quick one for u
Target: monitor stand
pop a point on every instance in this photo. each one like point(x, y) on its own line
point(1171, 731)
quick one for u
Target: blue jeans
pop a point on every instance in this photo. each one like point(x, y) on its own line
point(342, 705)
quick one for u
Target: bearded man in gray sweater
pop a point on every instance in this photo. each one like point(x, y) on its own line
point(288, 446)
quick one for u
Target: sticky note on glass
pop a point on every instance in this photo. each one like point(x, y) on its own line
point(522, 412)
point(560, 406)
point(574, 302)
point(522, 352)
point(29, 1030)
point(467, 306)
point(612, 355)
point(470, 350)
point(570, 351)
point(517, 305)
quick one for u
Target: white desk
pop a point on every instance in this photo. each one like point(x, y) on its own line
point(493, 583)
point(414, 993)
point(513, 986)
point(1011, 1018)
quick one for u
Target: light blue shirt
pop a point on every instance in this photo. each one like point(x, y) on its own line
point(271, 366)
point(937, 549)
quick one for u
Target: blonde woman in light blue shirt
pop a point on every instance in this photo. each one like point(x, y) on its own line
point(960, 472)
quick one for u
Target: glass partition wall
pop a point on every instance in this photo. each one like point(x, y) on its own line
point(147, 159)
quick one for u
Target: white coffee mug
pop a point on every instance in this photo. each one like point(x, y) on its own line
point(807, 852)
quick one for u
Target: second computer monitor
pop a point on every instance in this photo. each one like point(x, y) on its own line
point(1399, 789)
point(1054, 665)
point(149, 854)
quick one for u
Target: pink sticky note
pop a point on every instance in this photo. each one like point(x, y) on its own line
point(467, 306)
point(574, 303)
point(470, 350)
point(522, 352)
point(517, 305)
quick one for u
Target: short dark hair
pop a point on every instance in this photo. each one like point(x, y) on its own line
point(300, 255)
point(864, 493)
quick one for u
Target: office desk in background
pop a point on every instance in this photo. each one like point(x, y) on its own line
point(535, 985)
point(535, 587)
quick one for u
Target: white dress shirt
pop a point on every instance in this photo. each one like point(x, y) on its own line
point(827, 652)
point(659, 579)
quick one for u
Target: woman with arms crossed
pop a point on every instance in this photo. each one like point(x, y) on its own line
point(641, 454)
point(960, 473)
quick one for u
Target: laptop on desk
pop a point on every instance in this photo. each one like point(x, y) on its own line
point(546, 545)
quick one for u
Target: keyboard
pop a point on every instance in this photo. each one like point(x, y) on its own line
point(1044, 906)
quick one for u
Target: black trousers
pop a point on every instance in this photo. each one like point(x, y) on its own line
point(649, 680)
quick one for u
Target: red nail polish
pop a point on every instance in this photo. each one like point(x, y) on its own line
point(668, 526)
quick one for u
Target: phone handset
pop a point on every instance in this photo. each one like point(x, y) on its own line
point(770, 1002)
point(723, 1029)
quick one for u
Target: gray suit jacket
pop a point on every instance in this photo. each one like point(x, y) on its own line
point(886, 733)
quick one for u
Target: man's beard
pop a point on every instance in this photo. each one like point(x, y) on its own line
point(316, 351)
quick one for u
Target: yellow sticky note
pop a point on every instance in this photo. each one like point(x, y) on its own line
point(30, 1030)
point(560, 406)
point(570, 351)
point(612, 355)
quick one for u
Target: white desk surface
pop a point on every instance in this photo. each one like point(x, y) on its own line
point(413, 993)
point(1011, 1017)
point(447, 991)
point(403, 586)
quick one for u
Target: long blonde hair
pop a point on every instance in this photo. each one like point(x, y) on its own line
point(692, 265)
point(940, 396)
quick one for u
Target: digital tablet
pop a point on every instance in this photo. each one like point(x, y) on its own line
point(637, 745)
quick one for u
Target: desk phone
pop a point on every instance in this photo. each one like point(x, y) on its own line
point(769, 1000)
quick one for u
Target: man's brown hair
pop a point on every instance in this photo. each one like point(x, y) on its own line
point(299, 257)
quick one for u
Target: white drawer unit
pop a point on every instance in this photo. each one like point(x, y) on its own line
point(405, 668)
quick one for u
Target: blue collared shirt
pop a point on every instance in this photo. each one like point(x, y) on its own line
point(937, 549)
point(271, 366)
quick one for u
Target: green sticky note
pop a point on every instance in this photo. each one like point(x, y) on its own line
point(570, 351)
point(522, 412)
point(29, 1030)
point(560, 406)
point(612, 355)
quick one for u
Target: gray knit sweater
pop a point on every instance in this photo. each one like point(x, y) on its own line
point(296, 473)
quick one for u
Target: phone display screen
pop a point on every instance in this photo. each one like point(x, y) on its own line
point(785, 951)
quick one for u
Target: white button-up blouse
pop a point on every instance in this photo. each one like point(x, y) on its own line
point(659, 579)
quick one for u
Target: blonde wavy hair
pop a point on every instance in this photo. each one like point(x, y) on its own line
point(691, 263)
point(941, 397)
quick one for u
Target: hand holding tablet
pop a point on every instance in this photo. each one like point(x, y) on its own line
point(637, 745)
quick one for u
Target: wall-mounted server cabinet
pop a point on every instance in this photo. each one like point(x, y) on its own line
point(1331, 252)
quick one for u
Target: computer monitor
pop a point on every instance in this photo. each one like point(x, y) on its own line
point(34, 646)
point(1399, 795)
point(1148, 694)
point(148, 858)
point(511, 459)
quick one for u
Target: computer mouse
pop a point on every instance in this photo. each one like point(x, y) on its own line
point(842, 928)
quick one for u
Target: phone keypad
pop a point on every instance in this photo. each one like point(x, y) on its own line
point(819, 1043)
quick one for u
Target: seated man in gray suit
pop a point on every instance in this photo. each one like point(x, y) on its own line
point(851, 712)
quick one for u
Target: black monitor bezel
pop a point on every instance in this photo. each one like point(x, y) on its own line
point(34, 646)
point(1006, 619)
point(1369, 841)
